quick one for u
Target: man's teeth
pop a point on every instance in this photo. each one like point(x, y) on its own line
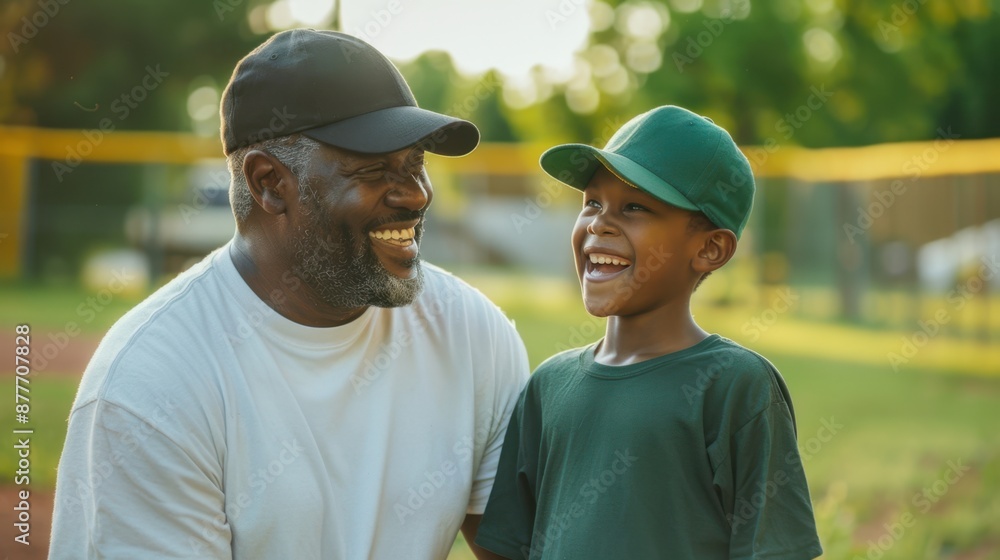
point(599, 258)
point(396, 234)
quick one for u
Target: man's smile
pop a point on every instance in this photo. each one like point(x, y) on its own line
point(397, 237)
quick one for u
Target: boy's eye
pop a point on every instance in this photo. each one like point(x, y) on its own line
point(633, 206)
point(591, 203)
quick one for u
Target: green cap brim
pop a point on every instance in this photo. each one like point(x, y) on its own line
point(575, 165)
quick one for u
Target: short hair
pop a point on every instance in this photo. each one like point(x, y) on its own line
point(293, 151)
point(697, 223)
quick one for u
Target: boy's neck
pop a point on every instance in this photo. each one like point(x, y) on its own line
point(637, 338)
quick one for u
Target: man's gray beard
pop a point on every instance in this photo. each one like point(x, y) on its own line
point(345, 272)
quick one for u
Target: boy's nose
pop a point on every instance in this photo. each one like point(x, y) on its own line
point(601, 226)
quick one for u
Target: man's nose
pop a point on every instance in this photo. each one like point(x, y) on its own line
point(408, 191)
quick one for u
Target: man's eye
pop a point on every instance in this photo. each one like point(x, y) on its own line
point(369, 172)
point(416, 167)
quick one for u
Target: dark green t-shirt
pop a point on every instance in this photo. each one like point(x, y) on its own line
point(691, 455)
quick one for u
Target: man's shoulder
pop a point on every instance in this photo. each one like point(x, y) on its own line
point(174, 302)
point(160, 336)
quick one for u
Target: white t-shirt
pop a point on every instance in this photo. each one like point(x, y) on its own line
point(209, 426)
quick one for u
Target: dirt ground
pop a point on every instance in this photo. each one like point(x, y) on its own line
point(70, 360)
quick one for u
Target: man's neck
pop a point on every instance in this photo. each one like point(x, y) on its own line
point(270, 277)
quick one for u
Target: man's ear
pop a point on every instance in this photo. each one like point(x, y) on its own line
point(717, 248)
point(271, 183)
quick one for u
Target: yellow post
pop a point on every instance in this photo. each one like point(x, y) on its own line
point(13, 174)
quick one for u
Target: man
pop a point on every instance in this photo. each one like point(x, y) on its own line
point(311, 389)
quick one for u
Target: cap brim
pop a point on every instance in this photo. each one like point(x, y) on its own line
point(575, 165)
point(395, 128)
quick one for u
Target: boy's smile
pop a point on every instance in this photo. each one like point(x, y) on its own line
point(630, 249)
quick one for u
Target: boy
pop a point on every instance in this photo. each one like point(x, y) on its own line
point(660, 441)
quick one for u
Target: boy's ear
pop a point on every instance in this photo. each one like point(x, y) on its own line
point(271, 184)
point(718, 247)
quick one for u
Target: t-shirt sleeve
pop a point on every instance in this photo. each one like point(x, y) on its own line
point(765, 491)
point(510, 515)
point(509, 374)
point(125, 490)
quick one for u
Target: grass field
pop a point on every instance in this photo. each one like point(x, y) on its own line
point(902, 431)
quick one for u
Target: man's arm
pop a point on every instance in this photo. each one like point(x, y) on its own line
point(470, 528)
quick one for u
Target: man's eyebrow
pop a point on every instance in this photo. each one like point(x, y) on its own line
point(357, 165)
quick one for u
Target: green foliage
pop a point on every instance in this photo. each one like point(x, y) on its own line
point(90, 54)
point(897, 70)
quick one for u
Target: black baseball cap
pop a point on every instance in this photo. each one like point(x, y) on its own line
point(336, 89)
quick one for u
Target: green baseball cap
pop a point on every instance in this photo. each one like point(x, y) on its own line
point(681, 158)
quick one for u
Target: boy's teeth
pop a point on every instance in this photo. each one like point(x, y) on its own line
point(598, 258)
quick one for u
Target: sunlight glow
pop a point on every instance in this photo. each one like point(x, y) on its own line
point(512, 36)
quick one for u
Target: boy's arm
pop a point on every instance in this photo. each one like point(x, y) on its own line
point(771, 513)
point(470, 528)
point(509, 519)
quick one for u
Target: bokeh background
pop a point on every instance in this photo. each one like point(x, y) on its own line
point(869, 273)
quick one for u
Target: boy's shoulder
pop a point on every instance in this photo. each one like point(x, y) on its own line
point(738, 381)
point(750, 363)
point(557, 368)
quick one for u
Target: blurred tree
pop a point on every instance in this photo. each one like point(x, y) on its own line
point(814, 73)
point(67, 64)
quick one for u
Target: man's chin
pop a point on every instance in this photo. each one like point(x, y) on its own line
point(400, 291)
